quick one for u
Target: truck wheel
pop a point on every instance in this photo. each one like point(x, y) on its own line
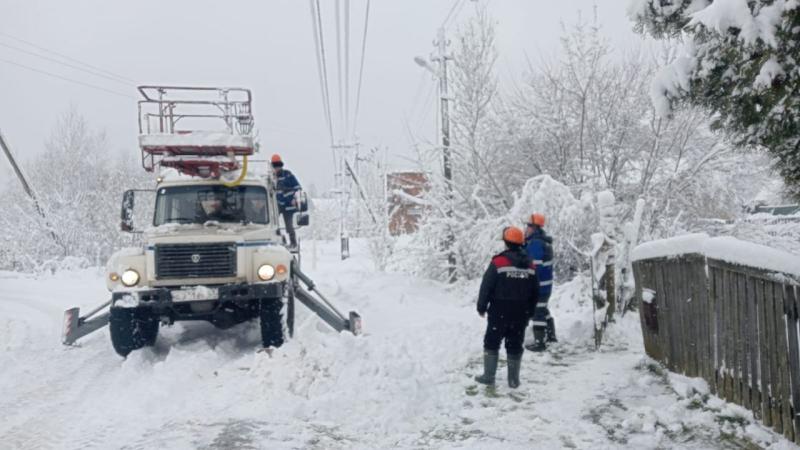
point(132, 329)
point(271, 322)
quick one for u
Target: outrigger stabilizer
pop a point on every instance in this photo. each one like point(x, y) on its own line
point(77, 326)
point(322, 307)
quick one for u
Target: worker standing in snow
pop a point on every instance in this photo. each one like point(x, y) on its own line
point(287, 187)
point(509, 291)
point(540, 249)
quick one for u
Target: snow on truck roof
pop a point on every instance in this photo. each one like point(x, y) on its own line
point(172, 177)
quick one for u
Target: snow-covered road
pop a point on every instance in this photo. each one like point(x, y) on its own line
point(407, 382)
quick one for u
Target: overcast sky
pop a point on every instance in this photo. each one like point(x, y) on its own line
point(266, 46)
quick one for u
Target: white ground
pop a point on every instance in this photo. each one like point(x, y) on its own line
point(407, 382)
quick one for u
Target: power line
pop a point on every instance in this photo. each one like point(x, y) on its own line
point(68, 58)
point(452, 10)
point(339, 61)
point(361, 68)
point(50, 74)
point(92, 72)
point(346, 66)
point(316, 28)
point(324, 60)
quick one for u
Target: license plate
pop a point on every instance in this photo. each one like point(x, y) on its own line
point(194, 294)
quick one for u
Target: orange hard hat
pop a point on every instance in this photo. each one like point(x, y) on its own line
point(276, 158)
point(513, 235)
point(537, 219)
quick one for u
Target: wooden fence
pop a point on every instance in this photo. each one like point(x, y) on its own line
point(734, 326)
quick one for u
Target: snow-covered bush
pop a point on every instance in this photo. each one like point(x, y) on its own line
point(476, 241)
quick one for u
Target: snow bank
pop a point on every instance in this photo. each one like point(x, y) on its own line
point(726, 249)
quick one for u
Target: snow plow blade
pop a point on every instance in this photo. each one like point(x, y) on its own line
point(76, 327)
point(320, 305)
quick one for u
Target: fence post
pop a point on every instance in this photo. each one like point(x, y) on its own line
point(794, 356)
point(766, 413)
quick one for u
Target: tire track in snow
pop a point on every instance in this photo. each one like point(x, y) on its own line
point(44, 382)
point(54, 407)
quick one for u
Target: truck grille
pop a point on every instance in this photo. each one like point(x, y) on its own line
point(196, 260)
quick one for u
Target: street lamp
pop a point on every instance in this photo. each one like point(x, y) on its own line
point(423, 62)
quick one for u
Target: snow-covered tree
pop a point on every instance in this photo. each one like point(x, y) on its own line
point(474, 87)
point(740, 61)
point(585, 119)
point(79, 181)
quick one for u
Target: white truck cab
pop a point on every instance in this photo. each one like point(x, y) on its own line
point(214, 250)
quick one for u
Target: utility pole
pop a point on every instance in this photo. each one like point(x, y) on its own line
point(441, 58)
point(342, 153)
point(27, 188)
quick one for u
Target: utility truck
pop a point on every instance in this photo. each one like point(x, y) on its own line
point(215, 250)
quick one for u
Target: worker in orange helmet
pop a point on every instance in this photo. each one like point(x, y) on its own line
point(509, 292)
point(286, 187)
point(539, 246)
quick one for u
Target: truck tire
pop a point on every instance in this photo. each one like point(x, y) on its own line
point(271, 321)
point(132, 329)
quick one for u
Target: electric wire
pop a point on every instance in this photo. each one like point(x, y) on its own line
point(73, 66)
point(361, 67)
point(337, 4)
point(50, 74)
point(452, 10)
point(68, 58)
point(316, 23)
point(346, 66)
point(324, 59)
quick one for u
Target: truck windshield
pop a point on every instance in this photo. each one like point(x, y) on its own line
point(200, 204)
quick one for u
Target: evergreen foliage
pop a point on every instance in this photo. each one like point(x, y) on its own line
point(740, 62)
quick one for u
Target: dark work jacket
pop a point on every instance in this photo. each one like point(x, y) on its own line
point(509, 289)
point(286, 185)
point(540, 248)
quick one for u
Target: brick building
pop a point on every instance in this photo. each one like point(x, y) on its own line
point(404, 212)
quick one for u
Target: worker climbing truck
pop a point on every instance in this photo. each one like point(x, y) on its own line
point(214, 250)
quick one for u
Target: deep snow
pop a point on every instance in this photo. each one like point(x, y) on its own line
point(407, 382)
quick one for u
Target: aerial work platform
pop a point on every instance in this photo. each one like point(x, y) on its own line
point(199, 131)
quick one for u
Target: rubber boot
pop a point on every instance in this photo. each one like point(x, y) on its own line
point(551, 330)
point(514, 363)
point(538, 340)
point(490, 358)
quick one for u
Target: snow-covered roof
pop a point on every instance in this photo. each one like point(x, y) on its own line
point(733, 250)
point(196, 139)
point(724, 248)
point(680, 245)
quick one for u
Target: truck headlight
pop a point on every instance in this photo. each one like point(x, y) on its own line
point(266, 272)
point(130, 277)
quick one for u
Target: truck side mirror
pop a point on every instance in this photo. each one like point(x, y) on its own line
point(302, 220)
point(127, 211)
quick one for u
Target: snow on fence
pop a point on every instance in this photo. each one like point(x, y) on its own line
point(727, 311)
